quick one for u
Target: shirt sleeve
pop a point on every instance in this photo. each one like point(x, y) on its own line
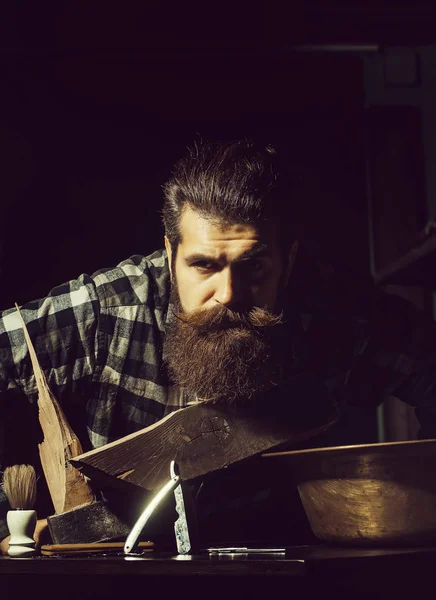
point(63, 329)
point(382, 345)
point(417, 386)
point(398, 358)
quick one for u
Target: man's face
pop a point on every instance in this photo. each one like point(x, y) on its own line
point(226, 341)
point(238, 266)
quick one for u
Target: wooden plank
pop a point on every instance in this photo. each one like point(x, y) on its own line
point(73, 549)
point(67, 486)
point(201, 439)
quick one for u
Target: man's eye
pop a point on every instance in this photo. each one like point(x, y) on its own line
point(256, 266)
point(204, 266)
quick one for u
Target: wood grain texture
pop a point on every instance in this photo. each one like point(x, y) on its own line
point(101, 548)
point(200, 438)
point(92, 523)
point(67, 486)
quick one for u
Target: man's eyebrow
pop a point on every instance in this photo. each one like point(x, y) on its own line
point(199, 257)
point(255, 252)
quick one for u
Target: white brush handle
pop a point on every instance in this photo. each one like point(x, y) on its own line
point(21, 524)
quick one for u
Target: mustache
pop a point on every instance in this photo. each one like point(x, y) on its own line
point(221, 317)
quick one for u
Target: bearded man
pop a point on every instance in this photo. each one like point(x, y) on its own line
point(234, 309)
point(230, 261)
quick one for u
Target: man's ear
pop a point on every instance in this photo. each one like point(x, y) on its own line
point(291, 261)
point(169, 252)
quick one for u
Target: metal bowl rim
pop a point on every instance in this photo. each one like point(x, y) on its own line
point(353, 448)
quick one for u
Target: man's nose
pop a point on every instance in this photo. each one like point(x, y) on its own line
point(229, 289)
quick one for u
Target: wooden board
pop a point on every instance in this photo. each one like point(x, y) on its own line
point(201, 439)
point(73, 549)
point(67, 486)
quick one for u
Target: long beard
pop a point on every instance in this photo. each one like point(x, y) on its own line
point(224, 356)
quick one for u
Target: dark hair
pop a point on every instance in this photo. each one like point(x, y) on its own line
point(235, 182)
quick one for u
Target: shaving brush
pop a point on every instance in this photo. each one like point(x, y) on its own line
point(19, 484)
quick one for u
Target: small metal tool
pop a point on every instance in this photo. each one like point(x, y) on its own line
point(181, 529)
point(183, 540)
point(243, 550)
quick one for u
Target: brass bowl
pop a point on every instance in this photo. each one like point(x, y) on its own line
point(375, 494)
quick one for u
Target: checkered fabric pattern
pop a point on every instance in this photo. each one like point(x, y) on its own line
point(102, 336)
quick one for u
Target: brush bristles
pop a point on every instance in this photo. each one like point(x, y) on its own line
point(19, 483)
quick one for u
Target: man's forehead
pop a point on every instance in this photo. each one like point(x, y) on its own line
point(210, 232)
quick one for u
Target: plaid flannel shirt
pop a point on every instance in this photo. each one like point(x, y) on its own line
point(101, 337)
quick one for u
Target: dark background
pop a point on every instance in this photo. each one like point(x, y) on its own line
point(99, 99)
point(95, 164)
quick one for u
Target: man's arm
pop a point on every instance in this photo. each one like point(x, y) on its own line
point(391, 344)
point(418, 387)
point(62, 328)
point(398, 358)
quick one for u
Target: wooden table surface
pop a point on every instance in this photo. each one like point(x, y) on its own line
point(308, 570)
point(150, 565)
